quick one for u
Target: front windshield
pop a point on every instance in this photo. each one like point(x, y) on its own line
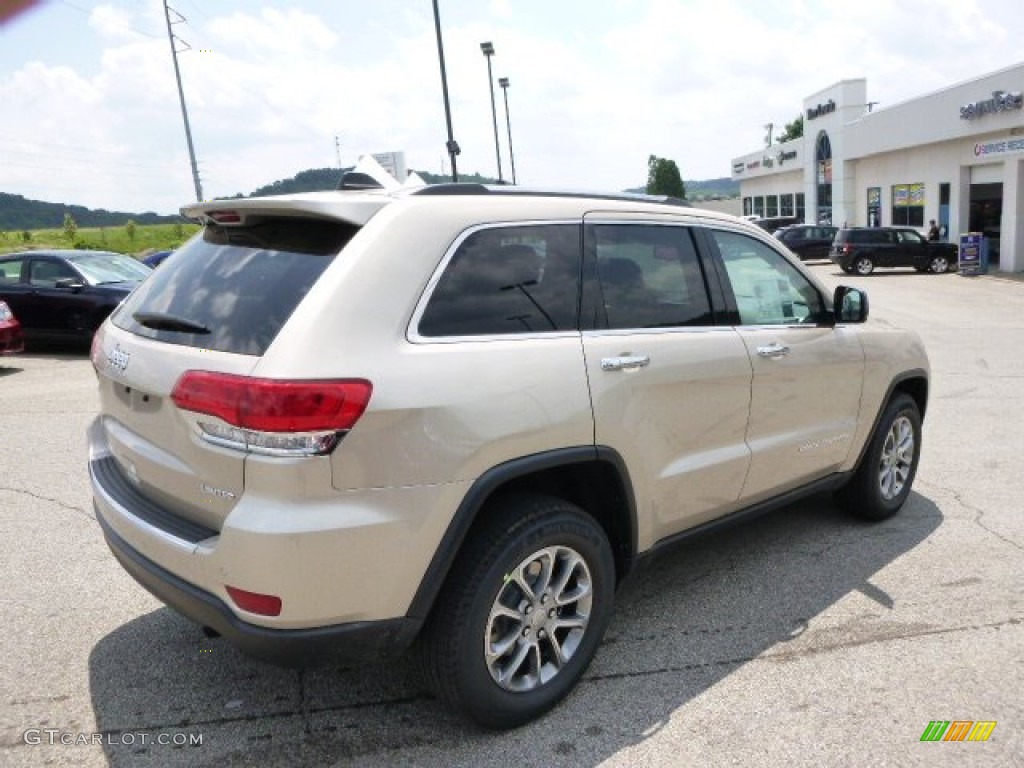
point(99, 268)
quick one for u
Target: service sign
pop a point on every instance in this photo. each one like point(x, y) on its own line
point(970, 253)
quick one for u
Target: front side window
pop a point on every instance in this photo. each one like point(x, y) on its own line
point(508, 280)
point(649, 276)
point(768, 289)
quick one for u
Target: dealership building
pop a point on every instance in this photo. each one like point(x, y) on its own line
point(955, 156)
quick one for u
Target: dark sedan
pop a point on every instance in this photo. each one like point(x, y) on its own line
point(66, 295)
point(808, 241)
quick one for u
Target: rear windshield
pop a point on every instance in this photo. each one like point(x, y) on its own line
point(233, 288)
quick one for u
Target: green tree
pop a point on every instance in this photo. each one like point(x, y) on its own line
point(129, 228)
point(793, 130)
point(26, 236)
point(663, 178)
point(70, 227)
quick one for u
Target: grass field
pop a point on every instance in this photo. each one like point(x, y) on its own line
point(149, 238)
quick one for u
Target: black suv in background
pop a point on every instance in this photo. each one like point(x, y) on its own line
point(808, 241)
point(858, 250)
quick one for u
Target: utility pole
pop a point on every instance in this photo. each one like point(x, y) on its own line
point(337, 149)
point(181, 96)
point(451, 145)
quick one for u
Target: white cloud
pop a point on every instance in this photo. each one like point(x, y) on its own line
point(272, 32)
point(594, 89)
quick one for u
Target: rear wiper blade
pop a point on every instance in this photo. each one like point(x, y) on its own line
point(160, 321)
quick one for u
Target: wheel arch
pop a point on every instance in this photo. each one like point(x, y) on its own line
point(912, 382)
point(593, 478)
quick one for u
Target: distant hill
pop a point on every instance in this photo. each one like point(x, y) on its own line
point(321, 179)
point(19, 213)
point(313, 180)
point(709, 189)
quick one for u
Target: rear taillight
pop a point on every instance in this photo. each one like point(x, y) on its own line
point(847, 249)
point(273, 416)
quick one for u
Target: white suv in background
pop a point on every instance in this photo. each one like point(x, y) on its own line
point(455, 419)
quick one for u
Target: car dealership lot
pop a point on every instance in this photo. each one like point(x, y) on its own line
point(804, 637)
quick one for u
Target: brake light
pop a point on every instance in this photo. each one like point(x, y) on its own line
point(225, 217)
point(273, 416)
point(847, 249)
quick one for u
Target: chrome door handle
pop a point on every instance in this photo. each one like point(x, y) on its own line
point(773, 350)
point(624, 363)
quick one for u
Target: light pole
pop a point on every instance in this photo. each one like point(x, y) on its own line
point(503, 82)
point(452, 145)
point(488, 50)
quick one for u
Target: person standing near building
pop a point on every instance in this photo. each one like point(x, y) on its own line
point(933, 230)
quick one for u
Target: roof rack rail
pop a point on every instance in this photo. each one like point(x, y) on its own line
point(473, 188)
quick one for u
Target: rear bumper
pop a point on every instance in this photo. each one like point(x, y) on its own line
point(358, 641)
point(12, 340)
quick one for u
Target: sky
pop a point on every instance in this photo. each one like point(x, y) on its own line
point(89, 111)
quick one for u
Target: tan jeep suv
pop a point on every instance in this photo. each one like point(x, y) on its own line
point(454, 419)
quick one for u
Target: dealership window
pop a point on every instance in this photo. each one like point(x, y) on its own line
point(786, 205)
point(748, 206)
point(759, 206)
point(874, 206)
point(908, 205)
point(800, 208)
point(771, 207)
point(823, 161)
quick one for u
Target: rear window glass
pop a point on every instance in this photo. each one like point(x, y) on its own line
point(233, 288)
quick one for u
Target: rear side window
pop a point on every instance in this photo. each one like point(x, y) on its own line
point(233, 288)
point(508, 280)
point(649, 275)
point(10, 270)
point(869, 236)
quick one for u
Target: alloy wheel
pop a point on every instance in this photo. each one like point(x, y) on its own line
point(897, 458)
point(538, 619)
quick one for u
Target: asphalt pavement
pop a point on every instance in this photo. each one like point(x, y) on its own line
point(804, 638)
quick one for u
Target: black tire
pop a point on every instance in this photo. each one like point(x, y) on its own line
point(938, 265)
point(520, 531)
point(882, 482)
point(863, 265)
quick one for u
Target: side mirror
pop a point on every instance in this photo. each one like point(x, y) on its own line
point(70, 282)
point(850, 305)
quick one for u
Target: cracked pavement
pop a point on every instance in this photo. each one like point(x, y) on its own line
point(803, 637)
